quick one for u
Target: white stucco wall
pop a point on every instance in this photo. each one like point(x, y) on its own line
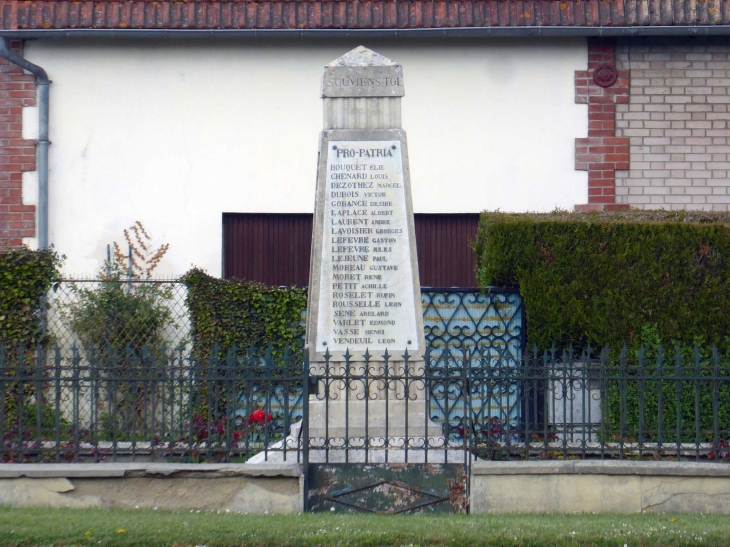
point(176, 133)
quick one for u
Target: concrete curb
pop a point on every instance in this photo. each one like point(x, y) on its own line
point(605, 467)
point(118, 470)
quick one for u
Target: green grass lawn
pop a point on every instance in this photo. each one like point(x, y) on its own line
point(146, 527)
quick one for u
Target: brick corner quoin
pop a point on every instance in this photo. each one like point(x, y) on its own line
point(17, 155)
point(601, 153)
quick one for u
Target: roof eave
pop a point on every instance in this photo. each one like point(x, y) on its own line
point(450, 32)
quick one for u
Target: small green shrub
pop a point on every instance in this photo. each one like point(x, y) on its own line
point(118, 322)
point(115, 316)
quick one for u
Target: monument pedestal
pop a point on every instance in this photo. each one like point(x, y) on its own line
point(428, 446)
point(371, 422)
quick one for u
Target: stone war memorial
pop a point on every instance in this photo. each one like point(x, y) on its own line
point(370, 443)
point(365, 337)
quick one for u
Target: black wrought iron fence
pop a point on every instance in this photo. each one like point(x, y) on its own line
point(176, 405)
point(115, 313)
point(629, 404)
point(155, 404)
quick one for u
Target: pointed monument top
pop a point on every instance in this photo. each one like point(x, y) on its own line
point(362, 73)
point(362, 56)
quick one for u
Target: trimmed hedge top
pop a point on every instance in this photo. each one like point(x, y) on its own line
point(615, 217)
point(245, 313)
point(602, 278)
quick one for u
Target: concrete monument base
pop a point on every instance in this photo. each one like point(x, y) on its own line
point(287, 451)
point(359, 419)
point(423, 443)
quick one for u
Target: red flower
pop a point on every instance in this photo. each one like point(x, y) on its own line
point(259, 417)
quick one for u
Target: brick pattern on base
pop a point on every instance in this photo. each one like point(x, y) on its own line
point(17, 155)
point(602, 153)
point(678, 123)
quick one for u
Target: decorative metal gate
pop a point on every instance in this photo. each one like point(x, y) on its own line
point(387, 434)
point(388, 488)
point(371, 444)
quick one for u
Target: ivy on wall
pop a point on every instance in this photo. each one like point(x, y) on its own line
point(244, 313)
point(25, 278)
point(603, 278)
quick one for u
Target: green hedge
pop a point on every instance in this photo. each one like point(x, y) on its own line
point(690, 371)
point(245, 313)
point(25, 278)
point(602, 278)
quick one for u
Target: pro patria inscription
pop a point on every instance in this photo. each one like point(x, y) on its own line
point(366, 279)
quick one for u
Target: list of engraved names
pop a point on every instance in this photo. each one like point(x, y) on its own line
point(366, 295)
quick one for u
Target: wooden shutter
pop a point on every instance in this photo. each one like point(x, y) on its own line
point(274, 248)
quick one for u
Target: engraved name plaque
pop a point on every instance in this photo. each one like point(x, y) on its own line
point(366, 278)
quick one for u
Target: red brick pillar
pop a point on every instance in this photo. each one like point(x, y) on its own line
point(601, 87)
point(17, 155)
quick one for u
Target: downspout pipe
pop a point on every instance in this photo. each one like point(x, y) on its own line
point(43, 143)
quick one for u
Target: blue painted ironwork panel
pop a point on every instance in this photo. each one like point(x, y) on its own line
point(488, 321)
point(485, 328)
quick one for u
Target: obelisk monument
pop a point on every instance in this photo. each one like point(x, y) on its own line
point(364, 291)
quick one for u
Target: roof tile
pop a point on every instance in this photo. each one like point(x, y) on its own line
point(353, 14)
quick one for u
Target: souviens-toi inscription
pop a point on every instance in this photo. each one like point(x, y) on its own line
point(364, 284)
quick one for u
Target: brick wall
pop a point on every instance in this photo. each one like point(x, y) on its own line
point(602, 152)
point(17, 155)
point(677, 123)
